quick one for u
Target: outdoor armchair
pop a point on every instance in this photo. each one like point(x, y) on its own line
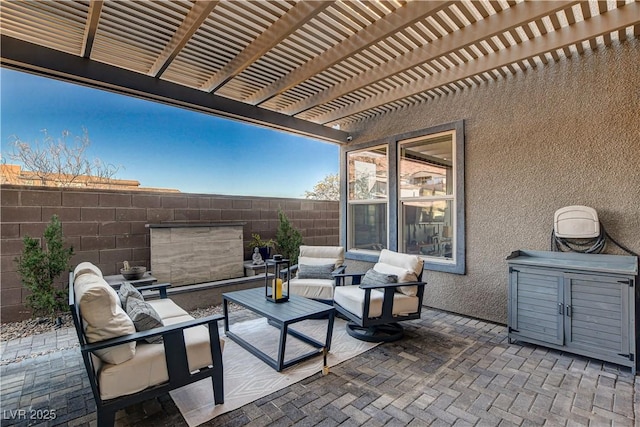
point(377, 300)
point(314, 275)
point(135, 355)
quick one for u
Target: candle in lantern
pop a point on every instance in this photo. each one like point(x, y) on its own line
point(278, 289)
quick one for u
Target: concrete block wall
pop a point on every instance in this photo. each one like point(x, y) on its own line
point(107, 227)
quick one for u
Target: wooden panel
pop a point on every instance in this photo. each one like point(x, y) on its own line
point(534, 305)
point(598, 314)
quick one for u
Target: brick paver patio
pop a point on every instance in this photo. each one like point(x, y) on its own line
point(448, 370)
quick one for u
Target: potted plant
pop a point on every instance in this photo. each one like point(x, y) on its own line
point(40, 265)
point(264, 246)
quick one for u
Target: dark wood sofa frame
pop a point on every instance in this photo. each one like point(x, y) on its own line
point(174, 350)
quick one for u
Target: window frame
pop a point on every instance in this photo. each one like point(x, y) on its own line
point(402, 201)
point(349, 203)
point(393, 200)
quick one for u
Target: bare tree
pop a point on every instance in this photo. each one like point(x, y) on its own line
point(327, 189)
point(62, 161)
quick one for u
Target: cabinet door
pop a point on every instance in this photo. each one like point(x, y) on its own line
point(536, 304)
point(597, 315)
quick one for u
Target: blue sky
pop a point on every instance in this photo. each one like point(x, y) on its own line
point(163, 146)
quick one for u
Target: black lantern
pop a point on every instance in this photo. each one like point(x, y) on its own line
point(274, 289)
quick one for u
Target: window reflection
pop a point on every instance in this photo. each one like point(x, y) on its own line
point(368, 192)
point(427, 199)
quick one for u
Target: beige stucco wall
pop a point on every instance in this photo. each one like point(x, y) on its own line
point(565, 134)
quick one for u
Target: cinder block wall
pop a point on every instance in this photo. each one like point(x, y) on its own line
point(107, 227)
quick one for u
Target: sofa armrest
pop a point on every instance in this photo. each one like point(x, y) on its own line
point(392, 285)
point(161, 287)
point(339, 270)
point(212, 321)
point(355, 278)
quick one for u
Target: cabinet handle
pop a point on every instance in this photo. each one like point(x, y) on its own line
point(560, 308)
point(568, 311)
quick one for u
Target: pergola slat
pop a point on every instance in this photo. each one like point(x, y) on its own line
point(585, 30)
point(493, 25)
point(405, 16)
point(196, 16)
point(286, 25)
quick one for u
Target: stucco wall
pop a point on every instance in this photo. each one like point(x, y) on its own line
point(566, 134)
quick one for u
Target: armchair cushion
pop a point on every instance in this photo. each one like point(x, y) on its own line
point(406, 267)
point(318, 255)
point(321, 289)
point(318, 271)
point(144, 318)
point(315, 267)
point(352, 299)
point(103, 318)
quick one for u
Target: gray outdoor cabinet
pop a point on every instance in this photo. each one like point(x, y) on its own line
point(579, 303)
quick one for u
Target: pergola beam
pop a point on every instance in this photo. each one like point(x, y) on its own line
point(481, 30)
point(291, 21)
point(196, 16)
point(28, 57)
point(93, 17)
point(379, 30)
point(611, 21)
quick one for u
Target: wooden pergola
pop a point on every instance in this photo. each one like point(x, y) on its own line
point(308, 67)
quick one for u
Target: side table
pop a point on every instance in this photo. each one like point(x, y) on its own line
point(117, 279)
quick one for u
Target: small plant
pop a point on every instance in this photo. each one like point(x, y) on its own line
point(40, 265)
point(257, 242)
point(264, 246)
point(289, 239)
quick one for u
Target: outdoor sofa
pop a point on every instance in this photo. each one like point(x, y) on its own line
point(124, 368)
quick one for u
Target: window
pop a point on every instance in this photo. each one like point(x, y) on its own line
point(427, 197)
point(367, 172)
point(407, 194)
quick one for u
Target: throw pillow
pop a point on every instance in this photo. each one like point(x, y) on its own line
point(403, 276)
point(324, 271)
point(126, 291)
point(144, 318)
point(373, 277)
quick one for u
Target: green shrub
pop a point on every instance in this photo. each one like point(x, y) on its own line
point(40, 265)
point(289, 239)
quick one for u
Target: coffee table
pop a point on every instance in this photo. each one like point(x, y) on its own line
point(281, 315)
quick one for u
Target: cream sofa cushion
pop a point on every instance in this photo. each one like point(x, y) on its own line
point(406, 267)
point(86, 267)
point(352, 299)
point(166, 308)
point(149, 367)
point(103, 318)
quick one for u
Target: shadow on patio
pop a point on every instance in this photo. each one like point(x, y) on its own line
point(448, 370)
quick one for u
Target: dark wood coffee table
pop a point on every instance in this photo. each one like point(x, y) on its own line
point(281, 315)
